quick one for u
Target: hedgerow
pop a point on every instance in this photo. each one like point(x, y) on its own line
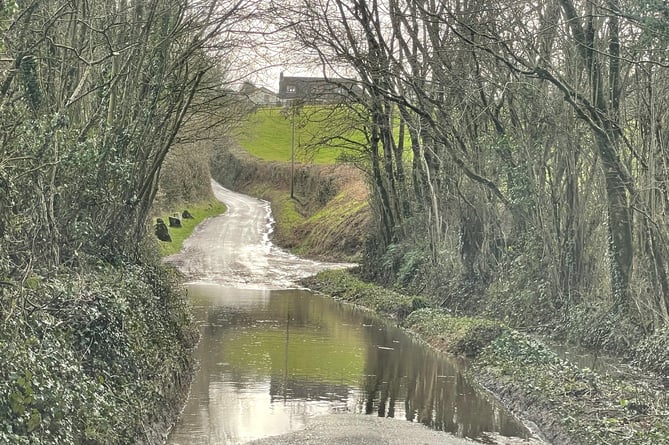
point(94, 358)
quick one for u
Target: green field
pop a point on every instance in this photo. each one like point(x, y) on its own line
point(267, 134)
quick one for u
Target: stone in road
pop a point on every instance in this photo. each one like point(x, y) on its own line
point(358, 429)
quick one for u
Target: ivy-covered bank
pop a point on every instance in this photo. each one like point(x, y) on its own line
point(104, 123)
point(569, 405)
point(95, 357)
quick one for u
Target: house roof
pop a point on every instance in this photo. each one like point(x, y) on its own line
point(249, 88)
point(310, 88)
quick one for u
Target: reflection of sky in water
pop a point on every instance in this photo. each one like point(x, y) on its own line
point(339, 359)
point(247, 414)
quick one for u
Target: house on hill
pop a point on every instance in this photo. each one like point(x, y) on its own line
point(316, 89)
point(259, 96)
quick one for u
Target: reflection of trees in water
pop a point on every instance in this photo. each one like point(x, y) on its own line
point(226, 317)
point(296, 388)
point(433, 390)
point(410, 381)
point(304, 308)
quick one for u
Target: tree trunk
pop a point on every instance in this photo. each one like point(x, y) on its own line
point(620, 225)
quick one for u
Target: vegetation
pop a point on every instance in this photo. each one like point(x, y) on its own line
point(268, 134)
point(324, 133)
point(343, 286)
point(95, 337)
point(200, 211)
point(570, 405)
point(319, 233)
point(97, 357)
point(587, 407)
point(537, 136)
point(328, 217)
point(184, 177)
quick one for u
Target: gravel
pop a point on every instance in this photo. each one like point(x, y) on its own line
point(357, 429)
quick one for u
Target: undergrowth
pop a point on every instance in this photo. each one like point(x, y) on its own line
point(98, 357)
point(345, 287)
point(587, 407)
point(465, 336)
point(653, 353)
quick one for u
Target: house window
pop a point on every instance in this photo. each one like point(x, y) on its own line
point(290, 88)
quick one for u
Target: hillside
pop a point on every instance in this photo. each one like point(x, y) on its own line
point(322, 134)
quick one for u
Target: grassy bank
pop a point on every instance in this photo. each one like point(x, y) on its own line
point(200, 211)
point(569, 405)
point(334, 231)
point(268, 135)
point(329, 216)
point(323, 134)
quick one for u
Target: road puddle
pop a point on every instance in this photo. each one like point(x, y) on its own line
point(270, 360)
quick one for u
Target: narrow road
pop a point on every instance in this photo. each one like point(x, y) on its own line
point(234, 249)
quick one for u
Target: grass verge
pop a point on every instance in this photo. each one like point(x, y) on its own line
point(570, 405)
point(200, 212)
point(345, 287)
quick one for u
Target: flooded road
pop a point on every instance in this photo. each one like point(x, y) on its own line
point(234, 249)
point(274, 359)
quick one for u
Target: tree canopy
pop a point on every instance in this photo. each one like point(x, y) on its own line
point(535, 165)
point(93, 95)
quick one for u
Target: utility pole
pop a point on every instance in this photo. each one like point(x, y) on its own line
point(292, 151)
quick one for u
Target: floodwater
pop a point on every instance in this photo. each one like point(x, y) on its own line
point(271, 357)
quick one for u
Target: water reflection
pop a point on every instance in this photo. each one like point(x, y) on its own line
point(270, 360)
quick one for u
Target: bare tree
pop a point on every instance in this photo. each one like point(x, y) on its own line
point(93, 95)
point(534, 135)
